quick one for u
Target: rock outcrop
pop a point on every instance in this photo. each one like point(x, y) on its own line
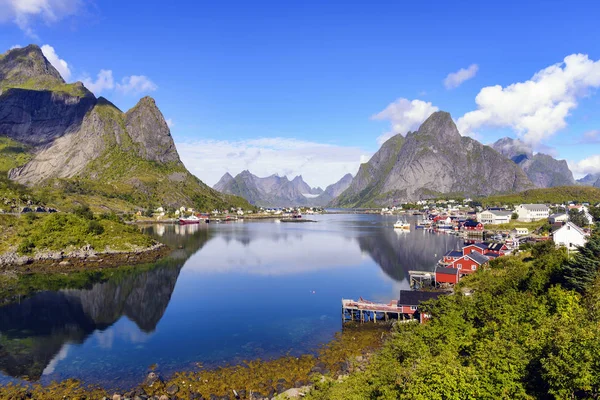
point(87, 144)
point(543, 170)
point(435, 160)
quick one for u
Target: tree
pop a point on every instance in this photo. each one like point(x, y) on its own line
point(579, 273)
point(578, 218)
point(514, 216)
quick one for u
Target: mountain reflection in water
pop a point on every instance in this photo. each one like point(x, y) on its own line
point(227, 292)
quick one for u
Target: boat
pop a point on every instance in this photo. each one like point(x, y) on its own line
point(402, 225)
point(192, 219)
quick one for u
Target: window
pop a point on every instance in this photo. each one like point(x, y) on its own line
point(474, 267)
point(459, 265)
point(413, 308)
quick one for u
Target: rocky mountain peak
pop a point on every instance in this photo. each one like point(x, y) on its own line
point(439, 125)
point(21, 65)
point(147, 126)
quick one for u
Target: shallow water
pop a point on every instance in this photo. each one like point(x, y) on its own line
point(228, 292)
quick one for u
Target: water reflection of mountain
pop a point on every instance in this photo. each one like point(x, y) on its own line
point(33, 331)
point(399, 252)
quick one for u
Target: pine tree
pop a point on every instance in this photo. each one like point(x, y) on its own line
point(581, 271)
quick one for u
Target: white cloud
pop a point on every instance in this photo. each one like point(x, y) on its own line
point(404, 115)
point(24, 13)
point(136, 84)
point(537, 108)
point(16, 46)
point(103, 82)
point(319, 164)
point(590, 165)
point(592, 136)
point(455, 79)
point(61, 65)
point(170, 123)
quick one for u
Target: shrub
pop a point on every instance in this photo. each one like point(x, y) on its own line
point(26, 246)
point(95, 227)
point(84, 211)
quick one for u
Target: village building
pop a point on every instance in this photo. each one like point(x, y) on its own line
point(410, 300)
point(532, 212)
point(494, 217)
point(471, 225)
point(570, 236)
point(558, 217)
point(520, 231)
point(470, 263)
point(446, 275)
point(451, 256)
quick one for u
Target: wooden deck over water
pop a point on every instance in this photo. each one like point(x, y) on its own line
point(367, 311)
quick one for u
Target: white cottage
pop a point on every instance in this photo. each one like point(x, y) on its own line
point(570, 236)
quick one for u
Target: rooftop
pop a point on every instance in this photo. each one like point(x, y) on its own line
point(414, 298)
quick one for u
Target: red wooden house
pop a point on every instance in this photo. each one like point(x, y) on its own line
point(480, 248)
point(472, 225)
point(470, 263)
point(451, 256)
point(497, 248)
point(446, 275)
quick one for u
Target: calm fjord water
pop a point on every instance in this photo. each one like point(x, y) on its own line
point(228, 292)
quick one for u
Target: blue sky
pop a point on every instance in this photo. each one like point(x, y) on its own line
point(292, 87)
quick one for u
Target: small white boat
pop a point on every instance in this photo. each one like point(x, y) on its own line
point(402, 225)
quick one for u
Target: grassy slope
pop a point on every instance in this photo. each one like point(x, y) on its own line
point(555, 195)
point(30, 233)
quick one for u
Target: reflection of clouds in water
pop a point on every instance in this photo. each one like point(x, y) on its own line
point(275, 254)
point(125, 330)
point(62, 354)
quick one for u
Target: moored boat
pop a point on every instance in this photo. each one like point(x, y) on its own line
point(402, 225)
point(192, 219)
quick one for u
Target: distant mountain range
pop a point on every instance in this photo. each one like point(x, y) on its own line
point(60, 136)
point(433, 161)
point(590, 180)
point(276, 191)
point(543, 170)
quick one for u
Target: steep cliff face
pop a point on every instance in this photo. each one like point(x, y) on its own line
point(147, 127)
point(434, 160)
point(543, 170)
point(88, 145)
point(368, 182)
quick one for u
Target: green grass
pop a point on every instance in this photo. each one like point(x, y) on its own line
point(12, 154)
point(555, 195)
point(532, 226)
point(31, 233)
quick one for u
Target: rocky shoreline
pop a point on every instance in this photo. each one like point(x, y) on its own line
point(81, 259)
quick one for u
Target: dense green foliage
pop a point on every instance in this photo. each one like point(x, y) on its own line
point(555, 195)
point(512, 331)
point(31, 232)
point(578, 218)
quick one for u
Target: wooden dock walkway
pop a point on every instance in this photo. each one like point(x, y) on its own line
point(367, 311)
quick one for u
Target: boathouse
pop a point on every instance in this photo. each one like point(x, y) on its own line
point(471, 225)
point(452, 256)
point(446, 275)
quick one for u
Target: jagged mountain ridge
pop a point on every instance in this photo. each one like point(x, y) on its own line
point(276, 191)
point(430, 162)
point(87, 145)
point(543, 170)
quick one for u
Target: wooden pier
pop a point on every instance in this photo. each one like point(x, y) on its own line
point(366, 311)
point(418, 278)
